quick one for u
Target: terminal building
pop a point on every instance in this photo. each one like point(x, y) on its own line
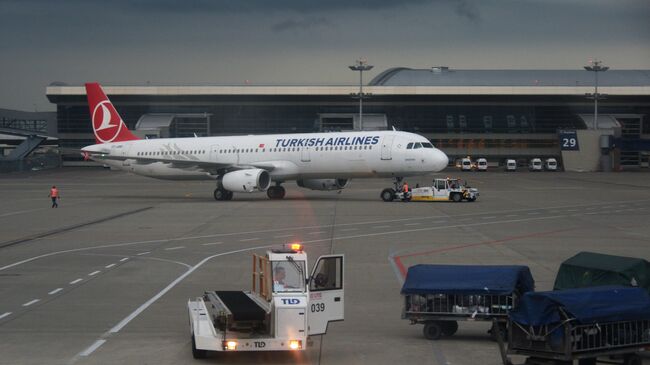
point(495, 114)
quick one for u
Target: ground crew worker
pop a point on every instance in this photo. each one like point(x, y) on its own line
point(54, 194)
point(405, 190)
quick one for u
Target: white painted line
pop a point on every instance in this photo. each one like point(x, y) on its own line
point(94, 273)
point(124, 259)
point(412, 224)
point(31, 302)
point(212, 243)
point(572, 210)
point(249, 239)
point(531, 213)
point(92, 348)
point(380, 227)
point(6, 314)
point(132, 243)
point(55, 291)
point(349, 229)
point(465, 219)
point(143, 253)
point(490, 217)
point(284, 235)
point(591, 208)
point(318, 232)
point(510, 215)
point(75, 281)
point(592, 213)
point(174, 248)
point(109, 266)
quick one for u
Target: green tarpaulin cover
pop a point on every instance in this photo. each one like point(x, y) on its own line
point(588, 269)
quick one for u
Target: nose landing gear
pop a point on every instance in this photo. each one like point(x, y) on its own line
point(275, 192)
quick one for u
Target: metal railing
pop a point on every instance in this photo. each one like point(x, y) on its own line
point(459, 305)
point(568, 338)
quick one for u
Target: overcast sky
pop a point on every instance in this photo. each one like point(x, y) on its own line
point(301, 41)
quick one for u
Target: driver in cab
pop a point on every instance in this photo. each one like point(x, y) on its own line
point(279, 276)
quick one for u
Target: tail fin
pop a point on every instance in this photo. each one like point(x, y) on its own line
point(108, 126)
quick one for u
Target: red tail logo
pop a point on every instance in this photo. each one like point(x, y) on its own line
point(107, 123)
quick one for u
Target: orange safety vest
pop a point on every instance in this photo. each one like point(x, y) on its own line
point(54, 193)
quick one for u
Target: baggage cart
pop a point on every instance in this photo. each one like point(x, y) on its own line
point(587, 325)
point(439, 296)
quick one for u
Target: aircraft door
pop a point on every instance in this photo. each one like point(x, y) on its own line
point(386, 147)
point(325, 294)
point(305, 154)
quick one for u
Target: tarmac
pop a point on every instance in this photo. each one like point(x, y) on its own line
point(105, 278)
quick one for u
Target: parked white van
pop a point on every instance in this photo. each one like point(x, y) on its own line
point(481, 164)
point(550, 164)
point(535, 164)
point(511, 165)
point(466, 164)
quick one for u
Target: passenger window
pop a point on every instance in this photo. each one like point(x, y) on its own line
point(409, 146)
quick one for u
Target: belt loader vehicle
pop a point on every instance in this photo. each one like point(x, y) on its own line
point(284, 307)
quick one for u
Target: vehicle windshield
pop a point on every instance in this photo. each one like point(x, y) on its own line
point(288, 276)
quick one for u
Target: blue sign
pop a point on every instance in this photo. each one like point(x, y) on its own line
point(569, 140)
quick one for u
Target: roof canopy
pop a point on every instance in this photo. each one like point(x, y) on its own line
point(592, 269)
point(585, 305)
point(467, 279)
point(444, 76)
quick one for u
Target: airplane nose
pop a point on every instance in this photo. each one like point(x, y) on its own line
point(440, 160)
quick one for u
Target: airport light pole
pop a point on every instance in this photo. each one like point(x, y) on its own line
point(361, 65)
point(596, 67)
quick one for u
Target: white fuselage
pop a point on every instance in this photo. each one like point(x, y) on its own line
point(285, 156)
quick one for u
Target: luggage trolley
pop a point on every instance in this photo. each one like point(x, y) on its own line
point(439, 296)
point(587, 325)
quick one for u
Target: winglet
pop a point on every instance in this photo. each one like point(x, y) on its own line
point(108, 126)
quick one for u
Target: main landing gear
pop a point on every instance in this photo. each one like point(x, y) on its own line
point(222, 194)
point(388, 194)
point(275, 192)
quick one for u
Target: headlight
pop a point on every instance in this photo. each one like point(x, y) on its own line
point(230, 345)
point(295, 344)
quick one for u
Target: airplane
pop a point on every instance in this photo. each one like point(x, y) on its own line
point(260, 163)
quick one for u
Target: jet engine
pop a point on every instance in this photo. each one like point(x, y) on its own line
point(246, 181)
point(323, 184)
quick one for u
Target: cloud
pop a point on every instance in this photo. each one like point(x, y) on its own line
point(467, 10)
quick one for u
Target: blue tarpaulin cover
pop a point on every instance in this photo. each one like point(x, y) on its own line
point(467, 279)
point(599, 304)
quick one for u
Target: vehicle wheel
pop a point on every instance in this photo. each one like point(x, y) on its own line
point(219, 194)
point(471, 199)
point(590, 361)
point(456, 198)
point(632, 359)
point(449, 328)
point(432, 330)
point(281, 192)
point(196, 353)
point(501, 327)
point(388, 195)
point(229, 195)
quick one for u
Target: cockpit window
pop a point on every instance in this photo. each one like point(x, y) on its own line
point(409, 146)
point(417, 145)
point(427, 145)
